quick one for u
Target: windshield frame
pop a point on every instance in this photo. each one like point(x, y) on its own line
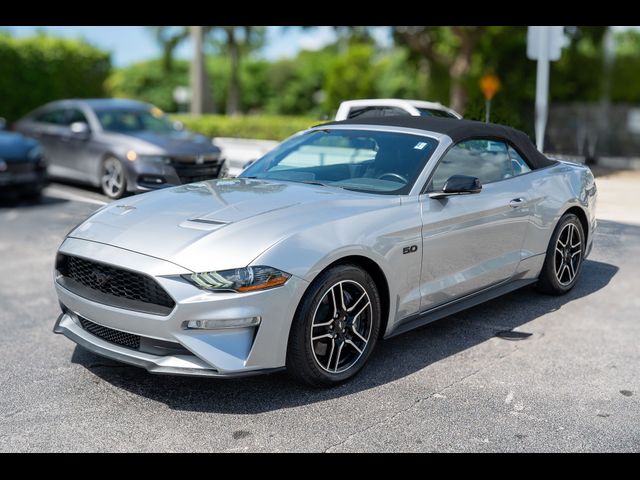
point(442, 143)
point(137, 111)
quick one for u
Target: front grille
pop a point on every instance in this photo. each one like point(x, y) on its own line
point(189, 171)
point(113, 286)
point(21, 167)
point(110, 335)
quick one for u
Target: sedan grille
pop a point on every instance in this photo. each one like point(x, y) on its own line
point(110, 335)
point(190, 171)
point(113, 286)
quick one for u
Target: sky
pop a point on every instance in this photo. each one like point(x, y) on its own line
point(132, 44)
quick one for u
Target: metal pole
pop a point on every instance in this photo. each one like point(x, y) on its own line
point(542, 86)
point(487, 110)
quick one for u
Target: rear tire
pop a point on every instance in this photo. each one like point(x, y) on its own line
point(113, 178)
point(331, 339)
point(565, 255)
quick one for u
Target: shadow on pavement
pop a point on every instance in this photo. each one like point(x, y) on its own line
point(392, 360)
point(76, 184)
point(17, 202)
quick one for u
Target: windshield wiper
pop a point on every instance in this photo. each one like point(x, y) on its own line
point(314, 182)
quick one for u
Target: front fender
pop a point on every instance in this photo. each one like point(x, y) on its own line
point(380, 236)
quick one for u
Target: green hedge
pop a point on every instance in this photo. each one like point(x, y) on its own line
point(40, 69)
point(267, 127)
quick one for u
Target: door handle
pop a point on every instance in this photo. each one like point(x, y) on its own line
point(517, 202)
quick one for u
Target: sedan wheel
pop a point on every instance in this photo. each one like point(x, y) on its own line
point(565, 255)
point(335, 328)
point(112, 180)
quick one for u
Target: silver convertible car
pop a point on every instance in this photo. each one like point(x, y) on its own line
point(345, 234)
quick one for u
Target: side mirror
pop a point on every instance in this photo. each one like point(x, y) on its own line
point(458, 185)
point(179, 126)
point(80, 130)
point(3, 123)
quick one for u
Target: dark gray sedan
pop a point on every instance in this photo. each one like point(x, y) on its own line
point(120, 145)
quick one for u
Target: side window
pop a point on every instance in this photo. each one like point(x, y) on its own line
point(54, 117)
point(74, 115)
point(518, 163)
point(487, 160)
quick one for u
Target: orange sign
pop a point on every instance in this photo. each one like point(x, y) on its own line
point(489, 84)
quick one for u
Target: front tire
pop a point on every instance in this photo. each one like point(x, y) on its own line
point(335, 328)
point(113, 179)
point(565, 255)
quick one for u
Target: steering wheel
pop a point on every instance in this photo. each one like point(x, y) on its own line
point(394, 175)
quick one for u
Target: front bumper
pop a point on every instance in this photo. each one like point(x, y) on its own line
point(30, 181)
point(144, 175)
point(219, 353)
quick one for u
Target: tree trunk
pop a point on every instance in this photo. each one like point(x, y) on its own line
point(201, 98)
point(233, 97)
point(457, 71)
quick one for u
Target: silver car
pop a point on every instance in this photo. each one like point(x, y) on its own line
point(120, 145)
point(345, 234)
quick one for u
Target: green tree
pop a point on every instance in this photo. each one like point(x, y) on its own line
point(239, 41)
point(297, 86)
point(350, 76)
point(148, 81)
point(169, 38)
point(40, 69)
point(450, 47)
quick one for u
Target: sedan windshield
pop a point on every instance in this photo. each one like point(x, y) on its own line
point(134, 120)
point(367, 161)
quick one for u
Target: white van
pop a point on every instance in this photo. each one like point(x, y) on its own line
point(386, 107)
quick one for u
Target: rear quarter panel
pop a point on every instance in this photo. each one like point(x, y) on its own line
point(554, 190)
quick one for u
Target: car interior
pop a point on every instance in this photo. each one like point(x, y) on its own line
point(383, 163)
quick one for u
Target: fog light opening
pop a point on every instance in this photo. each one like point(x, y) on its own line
point(223, 323)
point(152, 179)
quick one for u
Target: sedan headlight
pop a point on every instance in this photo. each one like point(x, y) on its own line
point(248, 279)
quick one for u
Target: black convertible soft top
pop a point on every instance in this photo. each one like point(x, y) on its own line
point(459, 130)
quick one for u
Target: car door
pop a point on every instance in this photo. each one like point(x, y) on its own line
point(472, 241)
point(77, 150)
point(47, 127)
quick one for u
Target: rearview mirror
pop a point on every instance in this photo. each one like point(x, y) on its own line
point(80, 130)
point(459, 185)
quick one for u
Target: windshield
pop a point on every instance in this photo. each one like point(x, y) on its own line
point(367, 161)
point(130, 120)
point(432, 112)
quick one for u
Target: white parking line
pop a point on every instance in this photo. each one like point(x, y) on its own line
point(60, 193)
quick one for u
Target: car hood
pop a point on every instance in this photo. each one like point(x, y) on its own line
point(169, 143)
point(14, 146)
point(221, 224)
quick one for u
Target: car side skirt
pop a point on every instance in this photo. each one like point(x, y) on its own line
point(455, 306)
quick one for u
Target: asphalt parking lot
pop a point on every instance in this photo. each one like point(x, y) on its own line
point(452, 386)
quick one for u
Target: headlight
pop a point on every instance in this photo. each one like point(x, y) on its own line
point(35, 153)
point(246, 279)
